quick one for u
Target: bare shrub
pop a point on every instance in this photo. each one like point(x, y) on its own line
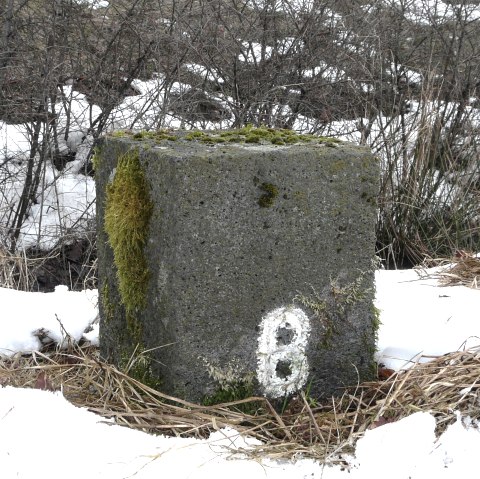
point(400, 77)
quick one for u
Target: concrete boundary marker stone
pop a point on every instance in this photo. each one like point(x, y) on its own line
point(256, 268)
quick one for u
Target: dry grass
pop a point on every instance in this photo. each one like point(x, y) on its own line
point(464, 269)
point(14, 270)
point(71, 262)
point(442, 386)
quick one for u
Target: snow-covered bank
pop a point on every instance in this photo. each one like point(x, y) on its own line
point(44, 436)
point(31, 320)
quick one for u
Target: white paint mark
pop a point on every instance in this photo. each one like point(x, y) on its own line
point(281, 354)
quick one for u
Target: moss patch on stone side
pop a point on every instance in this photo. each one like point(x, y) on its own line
point(268, 198)
point(96, 158)
point(108, 308)
point(157, 136)
point(127, 216)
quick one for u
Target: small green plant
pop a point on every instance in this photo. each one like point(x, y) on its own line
point(321, 311)
point(233, 385)
point(371, 347)
point(231, 392)
point(349, 294)
point(139, 366)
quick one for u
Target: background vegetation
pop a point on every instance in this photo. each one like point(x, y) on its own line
point(399, 76)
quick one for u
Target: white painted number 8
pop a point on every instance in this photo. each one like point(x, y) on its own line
point(281, 354)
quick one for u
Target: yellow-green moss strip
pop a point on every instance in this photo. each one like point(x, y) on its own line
point(261, 134)
point(127, 215)
point(96, 158)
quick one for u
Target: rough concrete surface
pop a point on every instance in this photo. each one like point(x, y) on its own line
point(237, 232)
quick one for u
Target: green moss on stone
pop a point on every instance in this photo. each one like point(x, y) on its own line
point(247, 134)
point(268, 199)
point(96, 158)
point(120, 133)
point(127, 216)
point(108, 307)
point(260, 135)
point(204, 137)
point(158, 136)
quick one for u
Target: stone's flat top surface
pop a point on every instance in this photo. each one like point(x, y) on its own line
point(248, 136)
point(251, 144)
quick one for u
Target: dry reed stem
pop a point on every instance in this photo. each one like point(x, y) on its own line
point(442, 386)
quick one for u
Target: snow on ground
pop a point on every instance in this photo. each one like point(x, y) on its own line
point(42, 435)
point(419, 317)
point(32, 319)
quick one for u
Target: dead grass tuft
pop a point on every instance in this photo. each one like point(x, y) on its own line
point(461, 270)
point(71, 262)
point(465, 271)
point(442, 386)
point(14, 270)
